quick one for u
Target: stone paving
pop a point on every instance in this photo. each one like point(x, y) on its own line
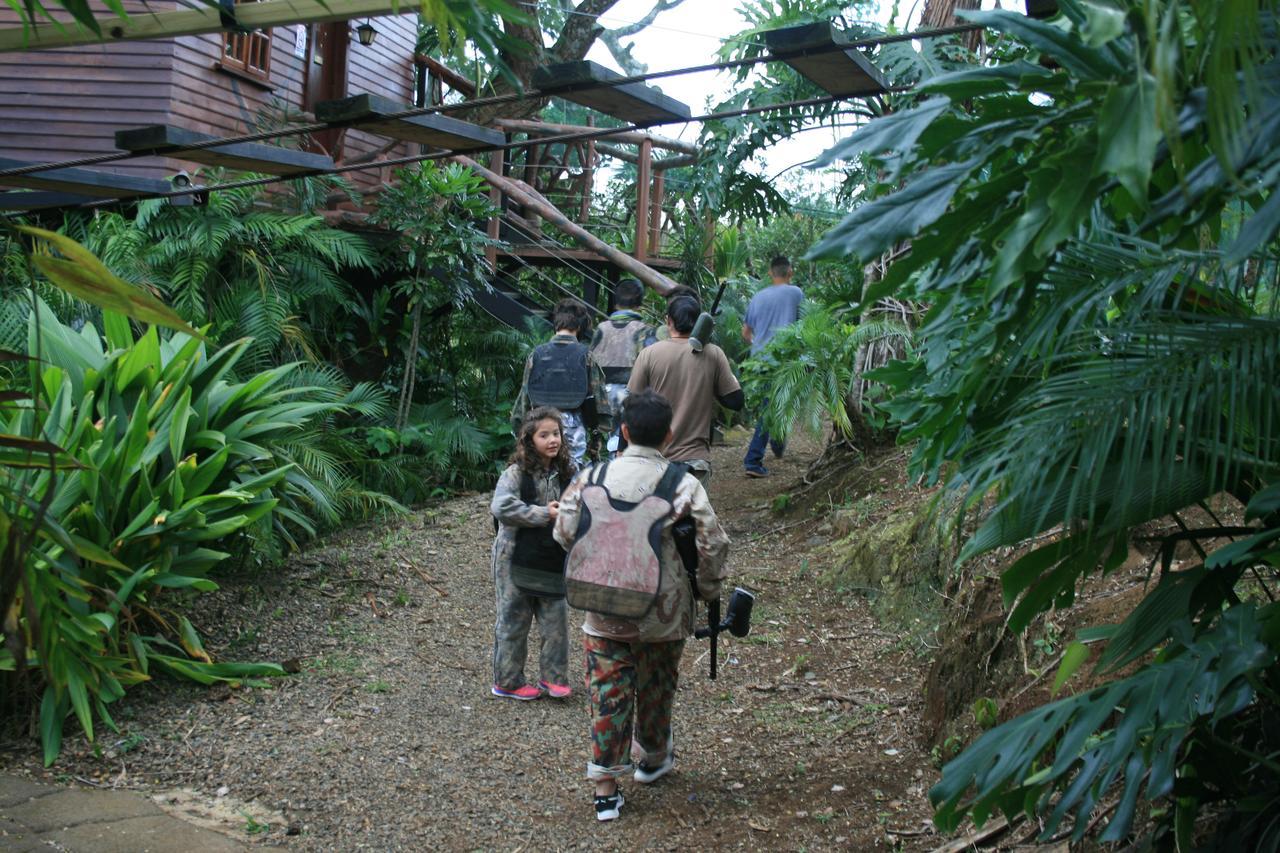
point(40, 817)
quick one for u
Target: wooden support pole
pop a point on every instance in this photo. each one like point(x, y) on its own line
point(655, 215)
point(495, 224)
point(588, 175)
point(529, 197)
point(642, 200)
point(630, 136)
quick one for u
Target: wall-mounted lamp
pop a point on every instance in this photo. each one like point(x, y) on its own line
point(366, 33)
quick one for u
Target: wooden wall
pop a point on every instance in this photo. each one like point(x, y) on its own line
point(61, 104)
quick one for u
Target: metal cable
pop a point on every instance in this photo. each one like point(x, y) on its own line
point(496, 100)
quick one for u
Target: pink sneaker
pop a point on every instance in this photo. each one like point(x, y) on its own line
point(556, 691)
point(524, 693)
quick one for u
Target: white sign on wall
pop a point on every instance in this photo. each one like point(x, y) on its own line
point(300, 41)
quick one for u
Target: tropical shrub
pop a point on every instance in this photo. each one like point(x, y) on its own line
point(812, 371)
point(1093, 225)
point(172, 458)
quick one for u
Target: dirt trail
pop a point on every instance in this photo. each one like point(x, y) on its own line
point(388, 737)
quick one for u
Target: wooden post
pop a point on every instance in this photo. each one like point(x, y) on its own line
point(655, 215)
point(531, 199)
point(495, 223)
point(642, 200)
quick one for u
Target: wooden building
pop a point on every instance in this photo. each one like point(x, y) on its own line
point(67, 103)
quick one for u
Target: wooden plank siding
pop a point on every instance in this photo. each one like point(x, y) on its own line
point(61, 104)
point(67, 103)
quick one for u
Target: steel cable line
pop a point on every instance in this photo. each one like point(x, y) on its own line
point(441, 155)
point(557, 285)
point(496, 100)
point(540, 239)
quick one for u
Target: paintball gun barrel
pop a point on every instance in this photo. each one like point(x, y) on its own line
point(738, 620)
point(705, 327)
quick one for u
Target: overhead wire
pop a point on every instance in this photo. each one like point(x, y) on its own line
point(493, 100)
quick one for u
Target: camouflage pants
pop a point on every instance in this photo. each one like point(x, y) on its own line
point(632, 687)
point(575, 435)
point(516, 612)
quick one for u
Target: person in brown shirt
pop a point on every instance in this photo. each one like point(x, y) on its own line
point(694, 382)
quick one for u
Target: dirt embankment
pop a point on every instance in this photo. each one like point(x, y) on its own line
point(388, 738)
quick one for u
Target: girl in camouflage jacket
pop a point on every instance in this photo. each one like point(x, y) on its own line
point(527, 497)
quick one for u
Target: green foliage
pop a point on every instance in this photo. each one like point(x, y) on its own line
point(174, 459)
point(252, 273)
point(809, 372)
point(1096, 245)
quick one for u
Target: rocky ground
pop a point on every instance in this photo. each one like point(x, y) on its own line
point(387, 736)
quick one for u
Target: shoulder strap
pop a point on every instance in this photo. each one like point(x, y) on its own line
point(528, 489)
point(666, 488)
point(596, 478)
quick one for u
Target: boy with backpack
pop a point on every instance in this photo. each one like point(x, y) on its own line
point(562, 374)
point(624, 569)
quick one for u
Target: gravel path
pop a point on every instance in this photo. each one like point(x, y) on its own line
point(388, 738)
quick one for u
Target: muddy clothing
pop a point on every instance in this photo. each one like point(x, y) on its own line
point(693, 382)
point(631, 477)
point(616, 344)
point(632, 687)
point(633, 665)
point(593, 413)
point(515, 610)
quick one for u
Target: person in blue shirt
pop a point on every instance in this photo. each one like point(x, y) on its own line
point(771, 309)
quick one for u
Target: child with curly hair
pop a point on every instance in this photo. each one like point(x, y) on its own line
point(528, 564)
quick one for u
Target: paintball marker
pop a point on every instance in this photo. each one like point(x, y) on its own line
point(706, 324)
point(737, 621)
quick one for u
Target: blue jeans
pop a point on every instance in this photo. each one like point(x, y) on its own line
point(754, 460)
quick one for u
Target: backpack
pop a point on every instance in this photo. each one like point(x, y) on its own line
point(537, 561)
point(617, 348)
point(559, 376)
point(614, 566)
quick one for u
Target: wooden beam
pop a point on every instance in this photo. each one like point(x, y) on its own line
point(439, 131)
point(632, 137)
point(40, 200)
point(446, 74)
point(807, 49)
point(642, 200)
point(530, 199)
point(655, 215)
point(85, 182)
point(658, 165)
point(245, 156)
point(494, 224)
point(1042, 8)
point(189, 22)
point(592, 85)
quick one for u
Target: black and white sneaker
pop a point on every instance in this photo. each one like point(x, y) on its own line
point(607, 807)
point(646, 773)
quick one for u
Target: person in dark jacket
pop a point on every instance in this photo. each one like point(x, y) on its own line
point(562, 374)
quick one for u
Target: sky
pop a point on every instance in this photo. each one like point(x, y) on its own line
point(690, 34)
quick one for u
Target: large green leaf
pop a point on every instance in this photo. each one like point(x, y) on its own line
point(84, 276)
point(894, 132)
point(878, 225)
point(1128, 135)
